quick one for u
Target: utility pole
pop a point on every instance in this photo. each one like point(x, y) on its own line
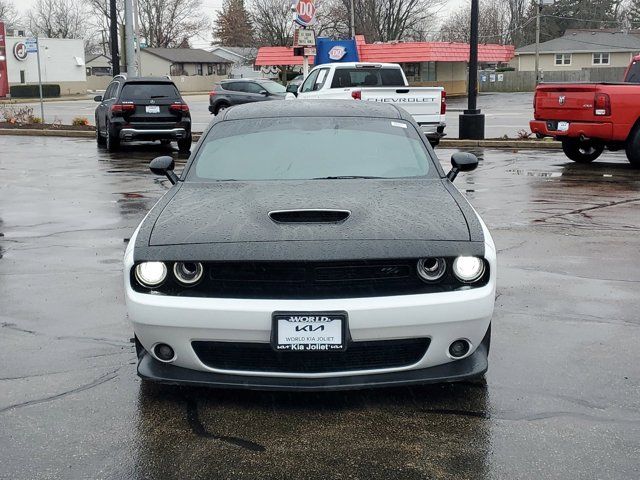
point(538, 10)
point(136, 23)
point(130, 49)
point(113, 34)
point(353, 20)
point(471, 124)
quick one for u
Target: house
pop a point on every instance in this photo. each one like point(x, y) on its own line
point(424, 63)
point(97, 64)
point(578, 49)
point(243, 59)
point(182, 62)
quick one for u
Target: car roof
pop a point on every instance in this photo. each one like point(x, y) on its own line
point(362, 64)
point(316, 108)
point(246, 80)
point(148, 80)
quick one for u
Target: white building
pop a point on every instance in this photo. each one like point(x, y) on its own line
point(61, 63)
point(243, 59)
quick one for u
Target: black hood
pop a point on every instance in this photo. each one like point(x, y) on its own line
point(221, 216)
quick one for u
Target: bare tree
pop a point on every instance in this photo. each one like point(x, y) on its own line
point(272, 21)
point(58, 18)
point(389, 20)
point(167, 23)
point(8, 13)
point(493, 23)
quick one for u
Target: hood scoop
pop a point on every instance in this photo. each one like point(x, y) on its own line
point(309, 216)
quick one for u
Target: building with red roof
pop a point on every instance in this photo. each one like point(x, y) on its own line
point(424, 63)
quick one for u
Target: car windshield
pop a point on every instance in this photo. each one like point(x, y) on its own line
point(311, 148)
point(148, 91)
point(273, 87)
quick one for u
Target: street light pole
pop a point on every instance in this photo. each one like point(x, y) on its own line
point(132, 68)
point(471, 124)
point(537, 67)
point(113, 34)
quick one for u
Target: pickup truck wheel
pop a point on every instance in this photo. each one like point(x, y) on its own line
point(633, 147)
point(582, 151)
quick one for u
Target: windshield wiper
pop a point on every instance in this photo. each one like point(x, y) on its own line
point(342, 177)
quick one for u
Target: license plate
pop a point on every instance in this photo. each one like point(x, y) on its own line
point(563, 126)
point(309, 331)
point(153, 109)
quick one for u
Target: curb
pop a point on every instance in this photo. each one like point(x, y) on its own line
point(444, 143)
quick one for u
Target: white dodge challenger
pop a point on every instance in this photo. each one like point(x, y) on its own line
point(308, 246)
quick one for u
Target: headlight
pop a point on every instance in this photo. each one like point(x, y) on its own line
point(468, 269)
point(151, 274)
point(431, 269)
point(188, 273)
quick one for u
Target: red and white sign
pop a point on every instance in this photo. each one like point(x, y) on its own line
point(305, 12)
point(20, 51)
point(337, 53)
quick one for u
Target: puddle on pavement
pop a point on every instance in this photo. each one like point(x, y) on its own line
point(533, 173)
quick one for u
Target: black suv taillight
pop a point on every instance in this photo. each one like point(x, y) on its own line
point(602, 105)
point(122, 108)
point(179, 107)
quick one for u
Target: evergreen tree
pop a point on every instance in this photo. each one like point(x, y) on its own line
point(233, 26)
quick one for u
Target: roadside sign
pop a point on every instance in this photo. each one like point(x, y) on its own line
point(20, 51)
point(310, 51)
point(337, 53)
point(305, 12)
point(304, 37)
point(31, 44)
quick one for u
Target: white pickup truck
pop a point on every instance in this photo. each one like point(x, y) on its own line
point(377, 82)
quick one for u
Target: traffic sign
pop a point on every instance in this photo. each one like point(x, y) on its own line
point(305, 12)
point(31, 44)
point(304, 37)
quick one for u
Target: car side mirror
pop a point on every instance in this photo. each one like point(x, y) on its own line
point(462, 162)
point(164, 166)
point(292, 89)
point(264, 92)
point(97, 98)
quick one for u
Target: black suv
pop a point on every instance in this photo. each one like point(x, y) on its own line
point(142, 108)
point(234, 92)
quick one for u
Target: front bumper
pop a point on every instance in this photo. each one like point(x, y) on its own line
point(599, 130)
point(468, 368)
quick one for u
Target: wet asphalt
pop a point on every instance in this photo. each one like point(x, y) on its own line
point(561, 398)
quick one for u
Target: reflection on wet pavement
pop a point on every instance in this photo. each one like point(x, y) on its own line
point(561, 398)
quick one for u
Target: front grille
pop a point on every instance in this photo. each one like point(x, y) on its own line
point(311, 280)
point(260, 357)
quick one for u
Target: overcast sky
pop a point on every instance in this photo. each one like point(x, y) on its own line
point(209, 8)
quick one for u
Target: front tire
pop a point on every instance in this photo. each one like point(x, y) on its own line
point(582, 151)
point(184, 145)
point(633, 147)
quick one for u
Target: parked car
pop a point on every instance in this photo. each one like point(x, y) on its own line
point(142, 108)
point(378, 82)
point(294, 84)
point(311, 245)
point(589, 117)
point(228, 93)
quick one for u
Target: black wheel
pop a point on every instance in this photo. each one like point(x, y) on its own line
point(184, 145)
point(99, 138)
point(111, 142)
point(582, 151)
point(633, 147)
point(219, 108)
point(434, 142)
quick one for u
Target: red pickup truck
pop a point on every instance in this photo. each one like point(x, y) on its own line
point(589, 117)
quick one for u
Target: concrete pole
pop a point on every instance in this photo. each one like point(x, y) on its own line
point(136, 20)
point(132, 70)
point(537, 67)
point(353, 20)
